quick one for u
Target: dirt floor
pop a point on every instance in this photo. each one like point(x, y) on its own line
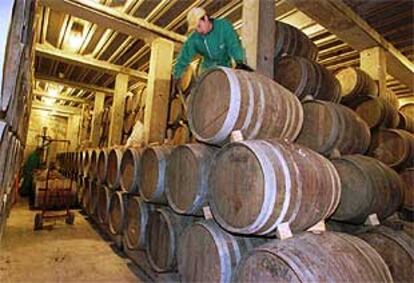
point(62, 253)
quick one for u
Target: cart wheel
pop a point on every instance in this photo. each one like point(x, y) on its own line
point(70, 219)
point(38, 225)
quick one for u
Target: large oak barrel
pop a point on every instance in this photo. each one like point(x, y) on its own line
point(137, 212)
point(408, 179)
point(93, 167)
point(314, 257)
point(304, 77)
point(406, 122)
point(292, 41)
point(225, 100)
point(408, 109)
point(393, 147)
point(116, 217)
point(92, 191)
point(4, 145)
point(164, 229)
point(396, 248)
point(104, 200)
point(207, 253)
point(177, 112)
point(368, 187)
point(375, 111)
point(102, 168)
point(187, 178)
point(328, 126)
point(257, 185)
point(86, 162)
point(355, 82)
point(152, 175)
point(130, 170)
point(114, 167)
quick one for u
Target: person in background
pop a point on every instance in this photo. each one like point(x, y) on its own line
point(215, 40)
point(32, 163)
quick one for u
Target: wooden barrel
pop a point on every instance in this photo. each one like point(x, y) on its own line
point(102, 210)
point(292, 41)
point(328, 126)
point(355, 82)
point(187, 178)
point(86, 162)
point(393, 147)
point(207, 253)
point(396, 248)
point(92, 191)
point(408, 179)
point(114, 167)
point(137, 212)
point(176, 111)
point(408, 109)
point(93, 164)
point(375, 111)
point(152, 174)
point(257, 185)
point(392, 98)
point(304, 77)
point(129, 122)
point(189, 77)
point(130, 169)
point(314, 257)
point(245, 101)
point(116, 216)
point(181, 135)
point(164, 229)
point(4, 145)
point(368, 187)
point(102, 167)
point(406, 122)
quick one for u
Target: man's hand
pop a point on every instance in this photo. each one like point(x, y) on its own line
point(245, 67)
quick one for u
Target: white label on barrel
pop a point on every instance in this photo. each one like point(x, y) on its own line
point(283, 231)
point(320, 226)
point(207, 213)
point(372, 220)
point(236, 136)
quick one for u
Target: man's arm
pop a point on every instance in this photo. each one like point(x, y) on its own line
point(187, 53)
point(233, 43)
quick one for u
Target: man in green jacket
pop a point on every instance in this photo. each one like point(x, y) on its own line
point(214, 39)
point(32, 163)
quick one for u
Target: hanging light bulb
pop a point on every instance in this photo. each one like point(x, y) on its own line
point(75, 39)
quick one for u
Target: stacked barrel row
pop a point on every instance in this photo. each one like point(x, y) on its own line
point(177, 130)
point(392, 139)
point(261, 164)
point(134, 109)
point(15, 97)
point(251, 186)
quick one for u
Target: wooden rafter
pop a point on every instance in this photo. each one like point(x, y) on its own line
point(84, 61)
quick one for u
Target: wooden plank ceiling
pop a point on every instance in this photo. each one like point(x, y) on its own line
point(392, 19)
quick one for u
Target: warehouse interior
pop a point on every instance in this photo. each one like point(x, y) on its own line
point(295, 164)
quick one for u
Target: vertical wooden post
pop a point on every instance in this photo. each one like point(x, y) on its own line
point(97, 118)
point(374, 62)
point(72, 132)
point(258, 34)
point(117, 111)
point(158, 90)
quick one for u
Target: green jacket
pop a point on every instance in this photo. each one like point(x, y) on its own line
point(217, 48)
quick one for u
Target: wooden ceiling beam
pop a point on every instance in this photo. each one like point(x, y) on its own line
point(339, 19)
point(110, 18)
point(73, 84)
point(56, 108)
point(46, 51)
point(61, 97)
